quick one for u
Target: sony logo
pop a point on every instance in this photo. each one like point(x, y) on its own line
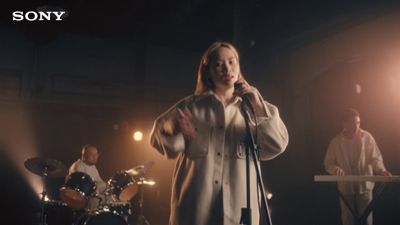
point(34, 16)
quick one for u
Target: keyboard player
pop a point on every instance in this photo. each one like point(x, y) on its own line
point(354, 152)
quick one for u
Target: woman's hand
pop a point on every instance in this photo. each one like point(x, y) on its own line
point(243, 88)
point(181, 122)
point(184, 123)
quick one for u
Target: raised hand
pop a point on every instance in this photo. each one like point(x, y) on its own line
point(243, 88)
point(184, 123)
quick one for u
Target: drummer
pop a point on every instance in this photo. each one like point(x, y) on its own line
point(87, 164)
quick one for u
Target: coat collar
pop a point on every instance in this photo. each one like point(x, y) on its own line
point(360, 134)
point(211, 94)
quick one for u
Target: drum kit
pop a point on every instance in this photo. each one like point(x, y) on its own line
point(79, 190)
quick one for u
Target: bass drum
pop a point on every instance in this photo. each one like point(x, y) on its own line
point(57, 213)
point(104, 218)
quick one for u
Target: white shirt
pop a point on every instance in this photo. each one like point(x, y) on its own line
point(358, 156)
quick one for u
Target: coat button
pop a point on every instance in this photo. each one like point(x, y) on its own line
point(216, 182)
point(218, 153)
point(221, 126)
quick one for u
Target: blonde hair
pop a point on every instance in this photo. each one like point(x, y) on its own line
point(204, 81)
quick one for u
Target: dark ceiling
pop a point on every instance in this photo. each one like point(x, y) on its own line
point(196, 23)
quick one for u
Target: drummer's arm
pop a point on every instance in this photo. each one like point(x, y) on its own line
point(76, 167)
point(101, 186)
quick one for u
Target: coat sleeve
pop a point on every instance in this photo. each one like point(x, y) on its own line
point(168, 145)
point(330, 161)
point(376, 159)
point(272, 135)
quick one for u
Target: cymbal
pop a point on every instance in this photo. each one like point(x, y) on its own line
point(140, 169)
point(143, 181)
point(45, 167)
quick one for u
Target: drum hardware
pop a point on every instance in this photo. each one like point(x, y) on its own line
point(58, 213)
point(140, 170)
point(101, 217)
point(43, 216)
point(124, 184)
point(45, 167)
point(141, 219)
point(120, 208)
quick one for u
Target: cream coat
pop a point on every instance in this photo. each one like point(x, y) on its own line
point(209, 181)
point(370, 160)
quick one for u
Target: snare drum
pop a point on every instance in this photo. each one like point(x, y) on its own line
point(123, 186)
point(103, 218)
point(77, 190)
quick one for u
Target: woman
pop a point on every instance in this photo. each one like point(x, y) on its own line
point(204, 133)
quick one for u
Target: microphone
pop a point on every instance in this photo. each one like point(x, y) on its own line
point(245, 97)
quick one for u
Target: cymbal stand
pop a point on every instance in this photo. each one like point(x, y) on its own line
point(141, 219)
point(43, 216)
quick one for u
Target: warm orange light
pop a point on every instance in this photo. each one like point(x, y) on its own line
point(147, 182)
point(358, 88)
point(138, 136)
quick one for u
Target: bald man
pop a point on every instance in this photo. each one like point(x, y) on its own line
point(87, 164)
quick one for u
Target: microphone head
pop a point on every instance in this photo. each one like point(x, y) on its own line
point(237, 85)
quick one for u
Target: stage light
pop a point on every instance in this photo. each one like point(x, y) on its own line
point(19, 143)
point(357, 89)
point(146, 182)
point(269, 195)
point(149, 182)
point(137, 136)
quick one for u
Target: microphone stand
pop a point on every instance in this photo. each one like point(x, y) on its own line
point(251, 147)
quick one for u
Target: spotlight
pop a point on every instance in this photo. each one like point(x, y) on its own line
point(149, 182)
point(146, 182)
point(357, 89)
point(137, 136)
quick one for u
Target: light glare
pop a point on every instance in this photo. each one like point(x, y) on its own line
point(137, 136)
point(269, 196)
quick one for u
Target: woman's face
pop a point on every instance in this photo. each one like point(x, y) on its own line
point(224, 68)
